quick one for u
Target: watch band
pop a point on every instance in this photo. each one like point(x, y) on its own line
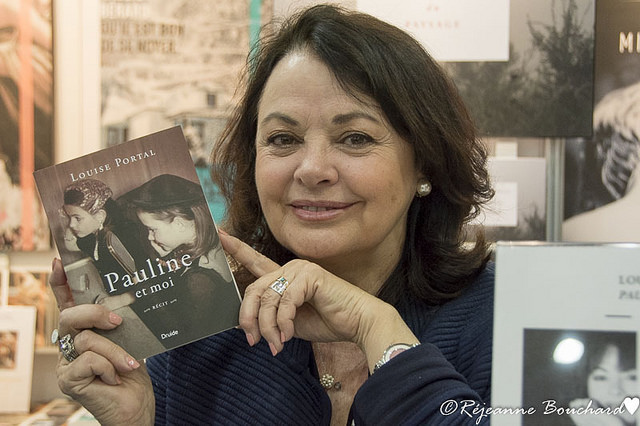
point(392, 351)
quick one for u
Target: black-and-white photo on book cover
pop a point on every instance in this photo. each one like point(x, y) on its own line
point(135, 234)
point(565, 347)
point(602, 178)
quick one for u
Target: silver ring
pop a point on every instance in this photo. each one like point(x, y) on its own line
point(279, 285)
point(66, 345)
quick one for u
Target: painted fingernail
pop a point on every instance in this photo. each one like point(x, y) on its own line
point(115, 318)
point(274, 351)
point(250, 339)
point(132, 363)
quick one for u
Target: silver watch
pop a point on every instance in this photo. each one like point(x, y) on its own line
point(392, 351)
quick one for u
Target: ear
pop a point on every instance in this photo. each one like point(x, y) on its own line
point(182, 222)
point(100, 215)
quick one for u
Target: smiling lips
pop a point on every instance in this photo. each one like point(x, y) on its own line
point(317, 211)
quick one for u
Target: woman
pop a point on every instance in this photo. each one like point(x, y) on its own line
point(94, 218)
point(617, 139)
point(612, 376)
point(95, 221)
point(351, 168)
point(179, 227)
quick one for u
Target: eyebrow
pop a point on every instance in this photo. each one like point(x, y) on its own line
point(338, 119)
point(281, 117)
point(345, 118)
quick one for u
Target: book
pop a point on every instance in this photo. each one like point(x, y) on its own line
point(565, 341)
point(601, 173)
point(17, 333)
point(135, 234)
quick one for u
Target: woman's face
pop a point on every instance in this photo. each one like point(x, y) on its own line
point(333, 177)
point(81, 222)
point(167, 234)
point(608, 384)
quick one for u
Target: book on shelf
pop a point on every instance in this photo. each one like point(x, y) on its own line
point(135, 234)
point(565, 346)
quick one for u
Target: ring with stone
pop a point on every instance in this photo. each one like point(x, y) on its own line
point(279, 285)
point(66, 345)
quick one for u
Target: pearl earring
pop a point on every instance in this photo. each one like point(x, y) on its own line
point(424, 189)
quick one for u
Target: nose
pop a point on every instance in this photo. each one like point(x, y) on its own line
point(317, 165)
point(615, 387)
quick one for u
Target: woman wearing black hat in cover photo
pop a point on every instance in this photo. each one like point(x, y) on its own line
point(96, 221)
point(94, 218)
point(180, 228)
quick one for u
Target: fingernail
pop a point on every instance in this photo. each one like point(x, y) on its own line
point(53, 263)
point(222, 231)
point(118, 380)
point(250, 339)
point(132, 363)
point(274, 351)
point(282, 337)
point(115, 318)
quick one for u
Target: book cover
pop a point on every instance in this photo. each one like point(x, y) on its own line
point(565, 348)
point(544, 89)
point(602, 177)
point(135, 234)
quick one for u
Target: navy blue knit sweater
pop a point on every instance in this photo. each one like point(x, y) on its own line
point(221, 380)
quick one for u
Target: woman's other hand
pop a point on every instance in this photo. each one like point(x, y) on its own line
point(104, 378)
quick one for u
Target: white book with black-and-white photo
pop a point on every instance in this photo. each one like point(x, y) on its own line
point(565, 333)
point(135, 233)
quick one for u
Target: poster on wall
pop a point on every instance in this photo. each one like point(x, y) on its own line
point(517, 212)
point(565, 345)
point(450, 28)
point(16, 357)
point(175, 62)
point(26, 111)
point(545, 87)
point(602, 180)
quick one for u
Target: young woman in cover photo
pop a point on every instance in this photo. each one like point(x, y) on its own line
point(176, 216)
point(610, 359)
point(579, 369)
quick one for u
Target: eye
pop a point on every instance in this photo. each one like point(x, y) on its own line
point(357, 140)
point(282, 139)
point(599, 377)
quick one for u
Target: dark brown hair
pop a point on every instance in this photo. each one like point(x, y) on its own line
point(206, 237)
point(372, 58)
